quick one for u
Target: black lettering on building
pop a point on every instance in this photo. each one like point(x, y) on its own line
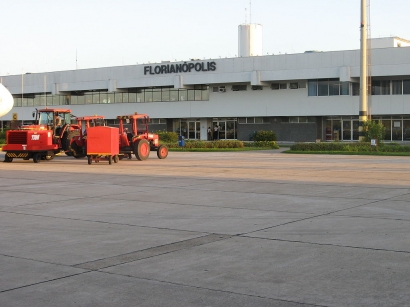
point(203, 67)
point(185, 67)
point(157, 69)
point(163, 69)
point(147, 69)
point(178, 68)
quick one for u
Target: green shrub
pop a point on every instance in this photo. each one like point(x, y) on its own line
point(349, 147)
point(3, 135)
point(374, 130)
point(205, 144)
point(264, 136)
point(167, 137)
point(263, 144)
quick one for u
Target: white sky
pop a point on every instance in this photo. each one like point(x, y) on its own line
point(46, 35)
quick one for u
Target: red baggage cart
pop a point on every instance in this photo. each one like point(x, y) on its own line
point(102, 142)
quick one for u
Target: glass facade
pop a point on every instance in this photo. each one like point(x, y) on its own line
point(346, 128)
point(385, 87)
point(328, 87)
point(199, 93)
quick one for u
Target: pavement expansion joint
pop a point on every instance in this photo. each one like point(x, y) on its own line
point(42, 282)
point(329, 244)
point(150, 252)
point(278, 300)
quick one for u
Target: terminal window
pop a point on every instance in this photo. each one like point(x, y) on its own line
point(328, 87)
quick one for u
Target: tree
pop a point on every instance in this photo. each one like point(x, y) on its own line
point(374, 130)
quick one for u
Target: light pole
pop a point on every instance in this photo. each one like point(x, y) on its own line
point(363, 70)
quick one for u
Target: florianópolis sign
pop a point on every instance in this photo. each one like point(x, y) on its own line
point(178, 68)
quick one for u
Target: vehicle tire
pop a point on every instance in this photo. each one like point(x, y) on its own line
point(77, 151)
point(36, 157)
point(49, 157)
point(116, 159)
point(90, 159)
point(109, 159)
point(130, 156)
point(8, 159)
point(141, 149)
point(162, 152)
point(68, 153)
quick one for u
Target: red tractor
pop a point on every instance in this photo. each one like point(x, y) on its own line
point(78, 139)
point(139, 141)
point(42, 140)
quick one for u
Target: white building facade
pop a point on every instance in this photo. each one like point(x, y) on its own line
point(301, 97)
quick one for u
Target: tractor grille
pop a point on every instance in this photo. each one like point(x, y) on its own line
point(17, 137)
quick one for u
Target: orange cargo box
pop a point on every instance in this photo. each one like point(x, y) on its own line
point(103, 141)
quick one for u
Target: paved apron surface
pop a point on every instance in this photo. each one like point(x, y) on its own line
point(257, 228)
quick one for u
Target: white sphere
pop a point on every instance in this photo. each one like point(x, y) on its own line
point(6, 100)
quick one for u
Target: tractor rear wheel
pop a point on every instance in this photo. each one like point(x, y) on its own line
point(141, 149)
point(162, 152)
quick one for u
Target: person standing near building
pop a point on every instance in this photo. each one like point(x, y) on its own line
point(209, 134)
point(216, 132)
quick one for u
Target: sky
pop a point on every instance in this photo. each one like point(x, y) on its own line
point(55, 35)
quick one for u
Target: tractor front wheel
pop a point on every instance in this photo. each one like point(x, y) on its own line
point(8, 159)
point(141, 149)
point(36, 157)
point(162, 152)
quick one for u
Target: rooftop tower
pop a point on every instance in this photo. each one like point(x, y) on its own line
point(249, 40)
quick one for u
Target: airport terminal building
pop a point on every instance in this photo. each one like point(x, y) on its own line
point(301, 97)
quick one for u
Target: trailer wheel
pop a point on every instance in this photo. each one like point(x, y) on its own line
point(116, 159)
point(141, 149)
point(162, 152)
point(109, 159)
point(37, 157)
point(8, 159)
point(90, 159)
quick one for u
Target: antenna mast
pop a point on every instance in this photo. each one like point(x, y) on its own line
point(246, 16)
point(250, 11)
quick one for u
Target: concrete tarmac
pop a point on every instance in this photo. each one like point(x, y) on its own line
point(259, 228)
